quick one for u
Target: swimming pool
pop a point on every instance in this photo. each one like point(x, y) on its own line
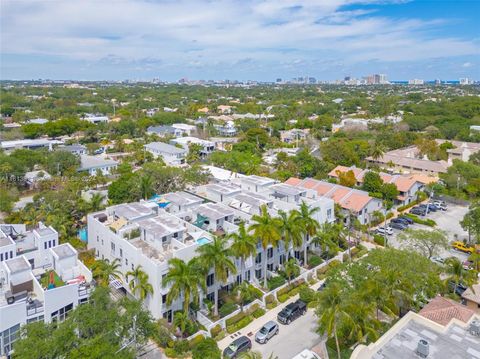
point(83, 235)
point(202, 241)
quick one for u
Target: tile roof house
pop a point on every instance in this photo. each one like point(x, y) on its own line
point(354, 201)
point(442, 310)
point(471, 298)
point(408, 186)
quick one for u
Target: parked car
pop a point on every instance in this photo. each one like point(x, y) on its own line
point(433, 207)
point(430, 208)
point(438, 260)
point(306, 354)
point(467, 265)
point(400, 226)
point(266, 332)
point(459, 288)
point(406, 219)
point(383, 230)
point(441, 205)
point(238, 346)
point(292, 312)
point(418, 211)
point(399, 220)
point(460, 246)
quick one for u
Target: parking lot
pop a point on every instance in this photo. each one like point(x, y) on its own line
point(448, 221)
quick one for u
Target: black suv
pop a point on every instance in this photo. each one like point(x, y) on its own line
point(292, 312)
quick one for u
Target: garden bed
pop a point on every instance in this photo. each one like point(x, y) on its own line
point(242, 319)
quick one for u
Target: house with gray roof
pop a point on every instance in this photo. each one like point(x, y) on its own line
point(93, 164)
point(171, 155)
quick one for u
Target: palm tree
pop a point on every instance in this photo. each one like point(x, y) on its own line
point(180, 320)
point(243, 245)
point(290, 229)
point(308, 225)
point(377, 150)
point(185, 279)
point(246, 292)
point(291, 269)
point(139, 283)
point(457, 274)
point(103, 270)
point(146, 186)
point(96, 202)
point(216, 255)
point(374, 291)
point(267, 230)
point(328, 237)
point(332, 313)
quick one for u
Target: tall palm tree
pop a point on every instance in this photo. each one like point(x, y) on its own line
point(376, 292)
point(328, 237)
point(267, 230)
point(308, 225)
point(377, 150)
point(146, 186)
point(139, 283)
point(96, 202)
point(245, 292)
point(103, 270)
point(332, 313)
point(185, 279)
point(180, 320)
point(291, 269)
point(218, 256)
point(290, 229)
point(457, 274)
point(243, 245)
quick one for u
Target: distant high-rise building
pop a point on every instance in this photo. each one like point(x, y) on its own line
point(312, 80)
point(466, 81)
point(278, 80)
point(438, 82)
point(416, 82)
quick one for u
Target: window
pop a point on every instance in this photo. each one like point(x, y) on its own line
point(36, 319)
point(97, 239)
point(247, 275)
point(269, 252)
point(45, 245)
point(53, 243)
point(258, 258)
point(282, 259)
point(102, 242)
point(132, 267)
point(164, 299)
point(8, 337)
point(121, 253)
point(112, 247)
point(258, 273)
point(329, 213)
point(126, 261)
point(210, 279)
point(270, 267)
point(11, 254)
point(1, 257)
point(62, 313)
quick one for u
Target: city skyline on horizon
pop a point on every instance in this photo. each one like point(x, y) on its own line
point(258, 41)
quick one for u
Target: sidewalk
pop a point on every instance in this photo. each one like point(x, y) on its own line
point(255, 326)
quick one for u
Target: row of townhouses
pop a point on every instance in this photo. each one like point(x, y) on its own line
point(40, 279)
point(175, 225)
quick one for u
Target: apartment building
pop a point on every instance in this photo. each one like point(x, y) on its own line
point(39, 280)
point(175, 225)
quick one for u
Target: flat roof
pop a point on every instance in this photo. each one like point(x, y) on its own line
point(258, 180)
point(182, 198)
point(17, 264)
point(223, 188)
point(164, 147)
point(131, 211)
point(287, 189)
point(64, 251)
point(5, 241)
point(214, 211)
point(45, 231)
point(162, 225)
point(455, 343)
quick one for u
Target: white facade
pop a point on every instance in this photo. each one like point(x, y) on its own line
point(94, 164)
point(27, 294)
point(171, 155)
point(95, 118)
point(175, 225)
point(207, 146)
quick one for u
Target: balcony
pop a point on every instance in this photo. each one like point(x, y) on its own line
point(34, 307)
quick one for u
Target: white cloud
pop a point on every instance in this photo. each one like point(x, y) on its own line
point(201, 32)
point(467, 64)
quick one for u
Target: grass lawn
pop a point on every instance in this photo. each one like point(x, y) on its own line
point(45, 280)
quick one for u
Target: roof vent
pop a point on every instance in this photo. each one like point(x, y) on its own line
point(423, 348)
point(475, 328)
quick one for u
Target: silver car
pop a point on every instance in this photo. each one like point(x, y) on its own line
point(266, 332)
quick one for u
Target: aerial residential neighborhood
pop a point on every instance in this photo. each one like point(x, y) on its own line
point(239, 180)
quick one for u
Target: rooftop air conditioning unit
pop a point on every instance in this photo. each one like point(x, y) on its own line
point(475, 328)
point(423, 348)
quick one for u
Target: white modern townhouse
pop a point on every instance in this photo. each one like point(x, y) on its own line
point(206, 147)
point(39, 280)
point(175, 225)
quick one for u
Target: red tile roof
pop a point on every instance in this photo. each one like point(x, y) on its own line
point(442, 310)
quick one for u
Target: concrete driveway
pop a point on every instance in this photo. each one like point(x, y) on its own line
point(291, 339)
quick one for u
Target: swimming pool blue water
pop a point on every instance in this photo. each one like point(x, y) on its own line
point(82, 233)
point(202, 241)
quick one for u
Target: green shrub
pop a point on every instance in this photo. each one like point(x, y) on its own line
point(306, 294)
point(226, 309)
point(215, 330)
point(270, 299)
point(272, 305)
point(379, 239)
point(207, 348)
point(428, 222)
point(196, 340)
point(283, 298)
point(314, 261)
point(170, 352)
point(258, 313)
point(239, 325)
point(257, 293)
point(236, 318)
point(275, 282)
point(181, 346)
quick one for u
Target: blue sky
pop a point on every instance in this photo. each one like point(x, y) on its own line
point(257, 40)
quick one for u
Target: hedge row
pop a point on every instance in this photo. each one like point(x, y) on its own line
point(428, 222)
